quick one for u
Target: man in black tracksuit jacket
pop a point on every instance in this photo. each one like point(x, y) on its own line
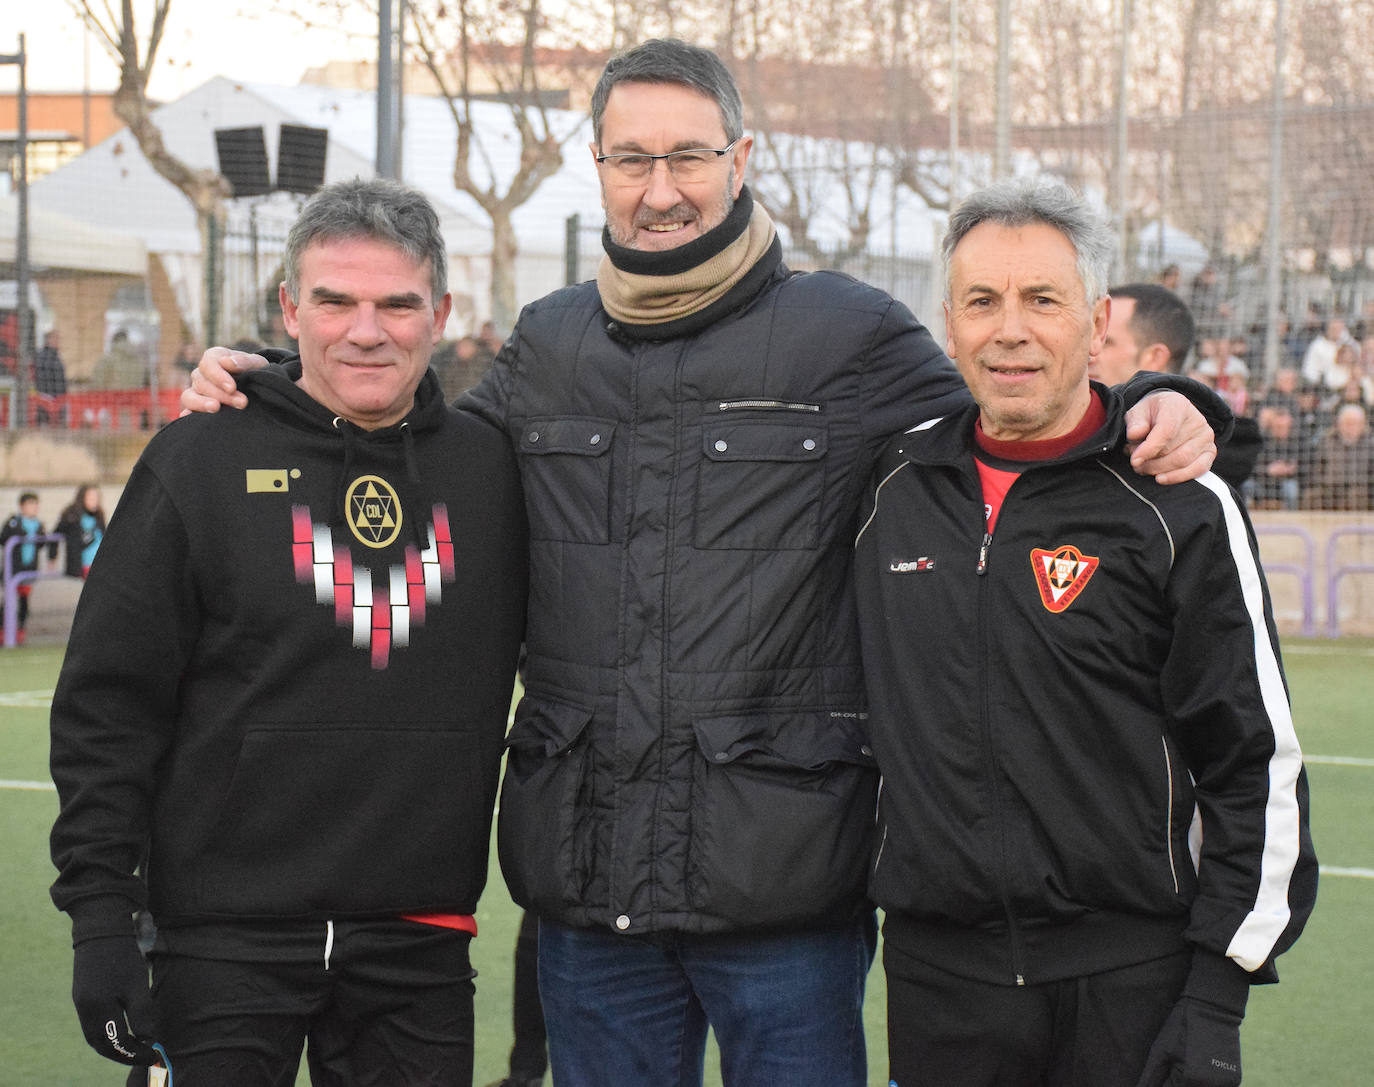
point(279, 723)
point(1093, 822)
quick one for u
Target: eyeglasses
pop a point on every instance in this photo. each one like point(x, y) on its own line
point(691, 165)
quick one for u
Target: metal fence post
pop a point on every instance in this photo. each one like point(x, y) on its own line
point(212, 242)
point(571, 246)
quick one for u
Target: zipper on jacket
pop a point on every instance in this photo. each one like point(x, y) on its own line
point(766, 405)
point(990, 760)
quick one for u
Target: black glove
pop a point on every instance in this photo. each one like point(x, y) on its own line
point(113, 1001)
point(1199, 1046)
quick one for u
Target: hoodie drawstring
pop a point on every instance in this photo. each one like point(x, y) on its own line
point(345, 429)
point(417, 521)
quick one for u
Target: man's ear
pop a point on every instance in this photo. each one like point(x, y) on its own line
point(1102, 315)
point(441, 312)
point(739, 158)
point(949, 335)
point(595, 151)
point(1155, 358)
point(288, 313)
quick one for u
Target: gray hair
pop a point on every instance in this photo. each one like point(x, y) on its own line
point(669, 60)
point(376, 208)
point(1023, 201)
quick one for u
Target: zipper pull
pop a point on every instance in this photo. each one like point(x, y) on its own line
point(983, 554)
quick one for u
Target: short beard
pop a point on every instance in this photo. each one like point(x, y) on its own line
point(626, 236)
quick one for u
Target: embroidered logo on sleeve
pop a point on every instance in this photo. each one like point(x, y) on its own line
point(1061, 575)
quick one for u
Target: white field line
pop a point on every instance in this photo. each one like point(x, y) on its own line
point(1325, 649)
point(1354, 873)
point(26, 700)
point(28, 786)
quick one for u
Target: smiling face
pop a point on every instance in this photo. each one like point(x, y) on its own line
point(1021, 329)
point(366, 325)
point(661, 212)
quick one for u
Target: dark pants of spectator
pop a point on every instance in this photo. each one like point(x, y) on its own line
point(391, 1004)
point(529, 1056)
point(1093, 1031)
point(23, 593)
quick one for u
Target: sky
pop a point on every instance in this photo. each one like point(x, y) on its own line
point(248, 39)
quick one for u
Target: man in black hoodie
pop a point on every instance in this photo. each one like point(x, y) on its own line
point(292, 766)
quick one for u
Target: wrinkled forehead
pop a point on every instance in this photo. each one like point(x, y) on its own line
point(995, 256)
point(673, 116)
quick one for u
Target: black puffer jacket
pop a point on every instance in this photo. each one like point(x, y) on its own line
point(690, 751)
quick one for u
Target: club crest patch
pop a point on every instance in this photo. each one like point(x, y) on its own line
point(1061, 575)
point(374, 511)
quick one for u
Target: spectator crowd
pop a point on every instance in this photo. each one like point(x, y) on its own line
point(1316, 450)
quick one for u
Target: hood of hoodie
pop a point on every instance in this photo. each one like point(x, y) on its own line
point(276, 388)
point(277, 385)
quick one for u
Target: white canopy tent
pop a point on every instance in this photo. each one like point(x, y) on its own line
point(59, 243)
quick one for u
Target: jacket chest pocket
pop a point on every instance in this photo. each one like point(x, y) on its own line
point(566, 471)
point(759, 485)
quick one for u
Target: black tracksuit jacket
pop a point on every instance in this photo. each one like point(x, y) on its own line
point(1065, 713)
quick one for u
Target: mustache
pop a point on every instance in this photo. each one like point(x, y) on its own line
point(678, 213)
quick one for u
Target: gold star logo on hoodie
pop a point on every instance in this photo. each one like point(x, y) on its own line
point(374, 511)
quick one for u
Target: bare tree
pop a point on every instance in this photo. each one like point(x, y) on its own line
point(495, 45)
point(205, 189)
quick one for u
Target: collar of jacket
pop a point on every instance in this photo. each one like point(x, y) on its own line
point(680, 261)
point(949, 439)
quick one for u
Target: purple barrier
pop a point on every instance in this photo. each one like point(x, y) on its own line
point(1334, 573)
point(14, 578)
point(1302, 571)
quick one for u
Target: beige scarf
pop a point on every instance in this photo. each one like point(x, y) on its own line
point(654, 300)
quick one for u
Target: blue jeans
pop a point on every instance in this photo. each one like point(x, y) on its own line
point(630, 1011)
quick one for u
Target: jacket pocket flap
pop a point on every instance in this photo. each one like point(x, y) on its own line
point(764, 441)
point(807, 740)
point(547, 727)
point(581, 436)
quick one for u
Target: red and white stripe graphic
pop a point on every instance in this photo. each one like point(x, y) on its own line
point(381, 607)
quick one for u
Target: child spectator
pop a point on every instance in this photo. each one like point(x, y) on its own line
point(83, 523)
point(25, 523)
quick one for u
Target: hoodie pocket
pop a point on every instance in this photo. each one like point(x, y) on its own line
point(544, 835)
point(566, 470)
point(348, 821)
point(782, 812)
point(759, 485)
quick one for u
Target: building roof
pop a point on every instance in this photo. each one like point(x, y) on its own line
point(112, 185)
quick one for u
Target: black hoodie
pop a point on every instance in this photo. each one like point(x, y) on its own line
point(288, 680)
